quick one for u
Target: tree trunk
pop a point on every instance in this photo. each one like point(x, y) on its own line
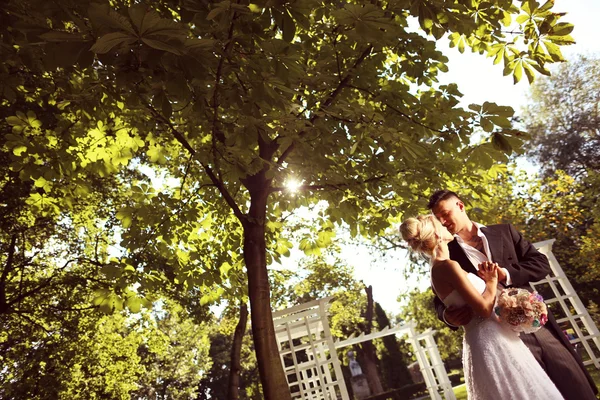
point(369, 354)
point(272, 377)
point(393, 361)
point(234, 371)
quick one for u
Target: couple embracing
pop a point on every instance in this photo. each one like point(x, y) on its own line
point(468, 263)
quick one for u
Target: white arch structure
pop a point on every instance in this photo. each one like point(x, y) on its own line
point(309, 358)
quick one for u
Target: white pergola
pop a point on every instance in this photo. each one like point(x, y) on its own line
point(309, 358)
point(576, 316)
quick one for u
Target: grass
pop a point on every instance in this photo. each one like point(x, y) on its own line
point(460, 392)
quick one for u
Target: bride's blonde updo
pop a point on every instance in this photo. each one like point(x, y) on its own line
point(420, 233)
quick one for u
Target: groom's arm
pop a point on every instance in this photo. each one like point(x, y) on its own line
point(529, 265)
point(440, 308)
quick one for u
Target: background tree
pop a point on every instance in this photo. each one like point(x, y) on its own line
point(419, 308)
point(394, 358)
point(555, 207)
point(563, 118)
point(215, 383)
point(117, 356)
point(233, 99)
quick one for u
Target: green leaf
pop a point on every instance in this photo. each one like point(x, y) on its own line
point(149, 23)
point(160, 45)
point(562, 40)
point(18, 150)
point(553, 51)
point(134, 304)
point(522, 18)
point(289, 27)
point(486, 125)
point(518, 72)
point(107, 42)
point(14, 121)
point(541, 69)
point(547, 6)
point(562, 29)
point(214, 13)
point(103, 16)
point(255, 8)
point(500, 121)
point(500, 142)
point(529, 72)
point(199, 44)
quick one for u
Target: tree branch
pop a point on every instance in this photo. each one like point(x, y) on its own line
point(41, 286)
point(403, 114)
point(215, 98)
point(23, 315)
point(7, 269)
point(335, 186)
point(228, 198)
point(330, 99)
point(217, 182)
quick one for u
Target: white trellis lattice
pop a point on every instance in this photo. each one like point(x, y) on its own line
point(307, 352)
point(432, 367)
point(575, 314)
point(311, 364)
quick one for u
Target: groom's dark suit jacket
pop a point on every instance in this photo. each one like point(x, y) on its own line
point(524, 264)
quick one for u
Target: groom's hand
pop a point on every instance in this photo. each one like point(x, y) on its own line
point(458, 316)
point(502, 275)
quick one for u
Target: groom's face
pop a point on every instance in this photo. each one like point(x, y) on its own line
point(451, 214)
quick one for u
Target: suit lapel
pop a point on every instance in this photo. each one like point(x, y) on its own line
point(494, 240)
point(458, 254)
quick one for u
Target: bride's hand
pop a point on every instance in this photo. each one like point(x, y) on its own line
point(488, 271)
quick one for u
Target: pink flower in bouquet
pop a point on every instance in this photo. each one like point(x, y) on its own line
point(521, 310)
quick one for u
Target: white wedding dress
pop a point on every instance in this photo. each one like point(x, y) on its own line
point(497, 364)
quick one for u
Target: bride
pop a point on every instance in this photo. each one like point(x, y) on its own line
point(497, 364)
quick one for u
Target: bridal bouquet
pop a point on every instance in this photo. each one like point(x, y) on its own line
point(521, 310)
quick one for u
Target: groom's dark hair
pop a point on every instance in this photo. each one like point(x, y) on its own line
point(440, 195)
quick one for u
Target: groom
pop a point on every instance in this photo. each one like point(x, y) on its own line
point(519, 263)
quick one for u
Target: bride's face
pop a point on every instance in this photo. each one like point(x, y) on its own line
point(445, 234)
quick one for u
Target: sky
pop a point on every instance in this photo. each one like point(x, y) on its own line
point(479, 80)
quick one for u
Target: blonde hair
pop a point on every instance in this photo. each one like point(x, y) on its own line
point(422, 233)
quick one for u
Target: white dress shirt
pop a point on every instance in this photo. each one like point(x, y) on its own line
point(477, 257)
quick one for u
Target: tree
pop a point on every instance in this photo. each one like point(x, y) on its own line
point(91, 355)
point(557, 207)
point(233, 99)
point(563, 117)
point(394, 362)
point(420, 309)
point(216, 382)
point(174, 353)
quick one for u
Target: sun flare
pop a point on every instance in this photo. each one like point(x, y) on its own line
point(292, 185)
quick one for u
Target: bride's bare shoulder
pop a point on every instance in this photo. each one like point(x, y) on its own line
point(445, 267)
